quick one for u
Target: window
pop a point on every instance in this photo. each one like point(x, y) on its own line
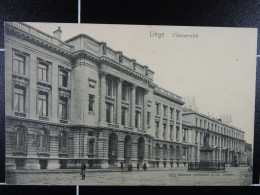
point(157, 129)
point(157, 151)
point(196, 138)
point(43, 141)
point(91, 146)
point(164, 111)
point(138, 97)
point(19, 99)
point(123, 118)
point(91, 103)
point(110, 87)
point(63, 144)
point(171, 132)
point(43, 105)
point(196, 121)
point(178, 115)
point(137, 119)
point(205, 123)
point(148, 119)
point(200, 123)
point(125, 93)
point(63, 78)
point(172, 110)
point(164, 130)
point(19, 64)
point(184, 135)
point(109, 113)
point(157, 109)
point(164, 151)
point(42, 72)
point(177, 133)
point(63, 109)
point(20, 139)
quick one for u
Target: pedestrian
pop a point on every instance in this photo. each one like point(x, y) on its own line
point(122, 165)
point(138, 166)
point(83, 168)
point(144, 167)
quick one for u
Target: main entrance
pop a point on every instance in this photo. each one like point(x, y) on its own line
point(112, 149)
point(141, 148)
point(128, 149)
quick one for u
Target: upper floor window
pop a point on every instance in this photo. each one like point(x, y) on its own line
point(177, 133)
point(63, 109)
point(196, 121)
point(172, 110)
point(164, 130)
point(42, 72)
point(138, 97)
point(200, 123)
point(19, 99)
point(157, 109)
point(178, 115)
point(91, 103)
point(205, 123)
point(124, 116)
point(110, 87)
point(19, 64)
point(157, 129)
point(63, 78)
point(43, 104)
point(125, 93)
point(171, 131)
point(164, 111)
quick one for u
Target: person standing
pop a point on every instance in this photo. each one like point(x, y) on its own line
point(83, 168)
point(144, 167)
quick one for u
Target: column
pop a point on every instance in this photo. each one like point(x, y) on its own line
point(133, 106)
point(102, 98)
point(119, 100)
point(180, 120)
point(145, 111)
point(174, 125)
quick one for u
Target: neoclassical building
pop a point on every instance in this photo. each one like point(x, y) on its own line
point(80, 100)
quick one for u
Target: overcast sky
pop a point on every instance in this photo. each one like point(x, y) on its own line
point(218, 68)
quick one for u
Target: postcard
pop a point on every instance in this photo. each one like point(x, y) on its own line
point(124, 105)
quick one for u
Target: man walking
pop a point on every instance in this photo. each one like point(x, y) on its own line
point(83, 168)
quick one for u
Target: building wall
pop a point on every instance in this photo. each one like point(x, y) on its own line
point(86, 135)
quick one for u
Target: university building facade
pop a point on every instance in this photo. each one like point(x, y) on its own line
point(79, 100)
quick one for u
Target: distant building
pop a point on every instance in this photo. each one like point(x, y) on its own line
point(79, 100)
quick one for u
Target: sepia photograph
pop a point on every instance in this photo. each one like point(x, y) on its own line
point(129, 105)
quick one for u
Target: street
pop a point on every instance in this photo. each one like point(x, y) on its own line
point(170, 177)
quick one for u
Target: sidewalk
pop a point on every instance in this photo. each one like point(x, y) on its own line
point(125, 169)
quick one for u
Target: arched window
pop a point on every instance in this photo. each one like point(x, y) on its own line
point(43, 141)
point(63, 145)
point(20, 139)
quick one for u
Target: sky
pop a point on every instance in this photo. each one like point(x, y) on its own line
point(218, 67)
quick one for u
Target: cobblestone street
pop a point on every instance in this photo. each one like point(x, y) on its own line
point(166, 177)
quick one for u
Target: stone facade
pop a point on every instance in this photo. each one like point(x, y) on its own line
point(79, 100)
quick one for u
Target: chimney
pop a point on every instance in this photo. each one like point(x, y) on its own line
point(57, 33)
